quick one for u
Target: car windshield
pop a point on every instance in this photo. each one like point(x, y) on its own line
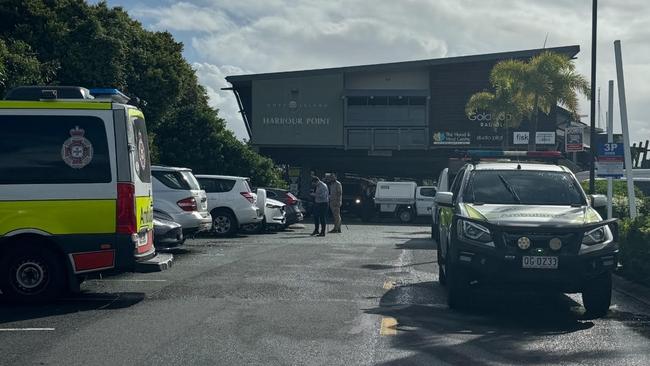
point(523, 187)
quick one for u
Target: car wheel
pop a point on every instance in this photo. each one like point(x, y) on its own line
point(223, 223)
point(32, 273)
point(405, 216)
point(457, 285)
point(597, 295)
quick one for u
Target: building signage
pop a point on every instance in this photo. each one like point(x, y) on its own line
point(573, 139)
point(308, 121)
point(452, 138)
point(610, 160)
point(541, 138)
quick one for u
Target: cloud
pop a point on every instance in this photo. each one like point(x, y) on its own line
point(249, 36)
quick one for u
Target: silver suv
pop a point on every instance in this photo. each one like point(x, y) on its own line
point(178, 197)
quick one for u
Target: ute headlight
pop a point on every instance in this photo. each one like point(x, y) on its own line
point(597, 236)
point(474, 233)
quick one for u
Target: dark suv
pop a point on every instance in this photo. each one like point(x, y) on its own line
point(525, 226)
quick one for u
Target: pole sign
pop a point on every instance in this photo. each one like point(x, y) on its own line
point(573, 139)
point(610, 160)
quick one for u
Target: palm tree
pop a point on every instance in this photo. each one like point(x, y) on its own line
point(524, 89)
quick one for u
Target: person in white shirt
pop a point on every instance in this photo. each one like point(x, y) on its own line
point(321, 200)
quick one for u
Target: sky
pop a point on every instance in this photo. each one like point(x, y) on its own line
point(231, 37)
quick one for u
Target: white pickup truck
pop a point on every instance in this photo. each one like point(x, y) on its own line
point(404, 199)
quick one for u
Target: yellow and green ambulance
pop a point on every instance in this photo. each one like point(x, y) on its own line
point(75, 188)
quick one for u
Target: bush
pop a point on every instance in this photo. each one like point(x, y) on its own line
point(635, 249)
point(620, 200)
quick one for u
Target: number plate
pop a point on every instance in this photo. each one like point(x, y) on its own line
point(539, 262)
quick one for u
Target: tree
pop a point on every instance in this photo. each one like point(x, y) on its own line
point(524, 89)
point(70, 42)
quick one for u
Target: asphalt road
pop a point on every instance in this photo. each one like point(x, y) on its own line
point(368, 296)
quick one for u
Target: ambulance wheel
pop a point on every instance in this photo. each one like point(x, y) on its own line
point(31, 273)
point(457, 281)
point(224, 223)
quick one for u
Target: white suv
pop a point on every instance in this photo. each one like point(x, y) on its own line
point(178, 196)
point(231, 203)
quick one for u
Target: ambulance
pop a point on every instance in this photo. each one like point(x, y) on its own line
point(75, 189)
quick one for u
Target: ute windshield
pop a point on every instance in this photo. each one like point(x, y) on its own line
point(523, 187)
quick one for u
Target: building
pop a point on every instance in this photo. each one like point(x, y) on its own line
point(394, 119)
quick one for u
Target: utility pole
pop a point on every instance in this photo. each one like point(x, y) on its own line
point(592, 115)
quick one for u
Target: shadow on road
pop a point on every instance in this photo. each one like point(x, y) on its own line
point(502, 325)
point(10, 312)
point(417, 244)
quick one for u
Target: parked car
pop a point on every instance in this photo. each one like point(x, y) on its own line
point(177, 194)
point(166, 232)
point(275, 218)
point(231, 203)
point(294, 207)
point(404, 199)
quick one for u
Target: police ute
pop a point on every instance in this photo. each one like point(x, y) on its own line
point(75, 188)
point(524, 226)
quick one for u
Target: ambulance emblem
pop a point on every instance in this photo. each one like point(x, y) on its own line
point(77, 151)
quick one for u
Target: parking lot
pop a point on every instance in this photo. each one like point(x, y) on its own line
point(366, 296)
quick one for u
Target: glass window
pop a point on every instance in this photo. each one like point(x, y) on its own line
point(357, 100)
point(172, 179)
point(53, 150)
point(523, 187)
point(428, 192)
point(142, 163)
point(190, 179)
point(216, 185)
point(455, 186)
point(398, 101)
point(417, 100)
point(378, 101)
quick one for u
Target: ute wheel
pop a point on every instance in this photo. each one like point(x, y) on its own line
point(223, 223)
point(457, 285)
point(597, 295)
point(405, 216)
point(442, 276)
point(32, 273)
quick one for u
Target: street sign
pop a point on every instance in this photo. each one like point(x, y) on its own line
point(610, 160)
point(573, 139)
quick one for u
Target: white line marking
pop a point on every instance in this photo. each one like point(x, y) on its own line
point(102, 280)
point(25, 329)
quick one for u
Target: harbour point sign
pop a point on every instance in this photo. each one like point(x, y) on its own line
point(283, 121)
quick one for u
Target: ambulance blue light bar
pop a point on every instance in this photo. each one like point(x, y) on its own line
point(110, 93)
point(477, 154)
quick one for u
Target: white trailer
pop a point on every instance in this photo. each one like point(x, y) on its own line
point(404, 199)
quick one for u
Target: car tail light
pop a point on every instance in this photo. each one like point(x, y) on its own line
point(291, 199)
point(249, 196)
point(125, 220)
point(188, 204)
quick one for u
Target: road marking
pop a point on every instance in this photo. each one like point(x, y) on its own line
point(389, 285)
point(388, 326)
point(102, 280)
point(26, 329)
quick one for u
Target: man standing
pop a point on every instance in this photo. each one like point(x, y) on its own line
point(336, 200)
point(321, 198)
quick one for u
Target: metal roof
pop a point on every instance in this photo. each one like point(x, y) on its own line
point(570, 51)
